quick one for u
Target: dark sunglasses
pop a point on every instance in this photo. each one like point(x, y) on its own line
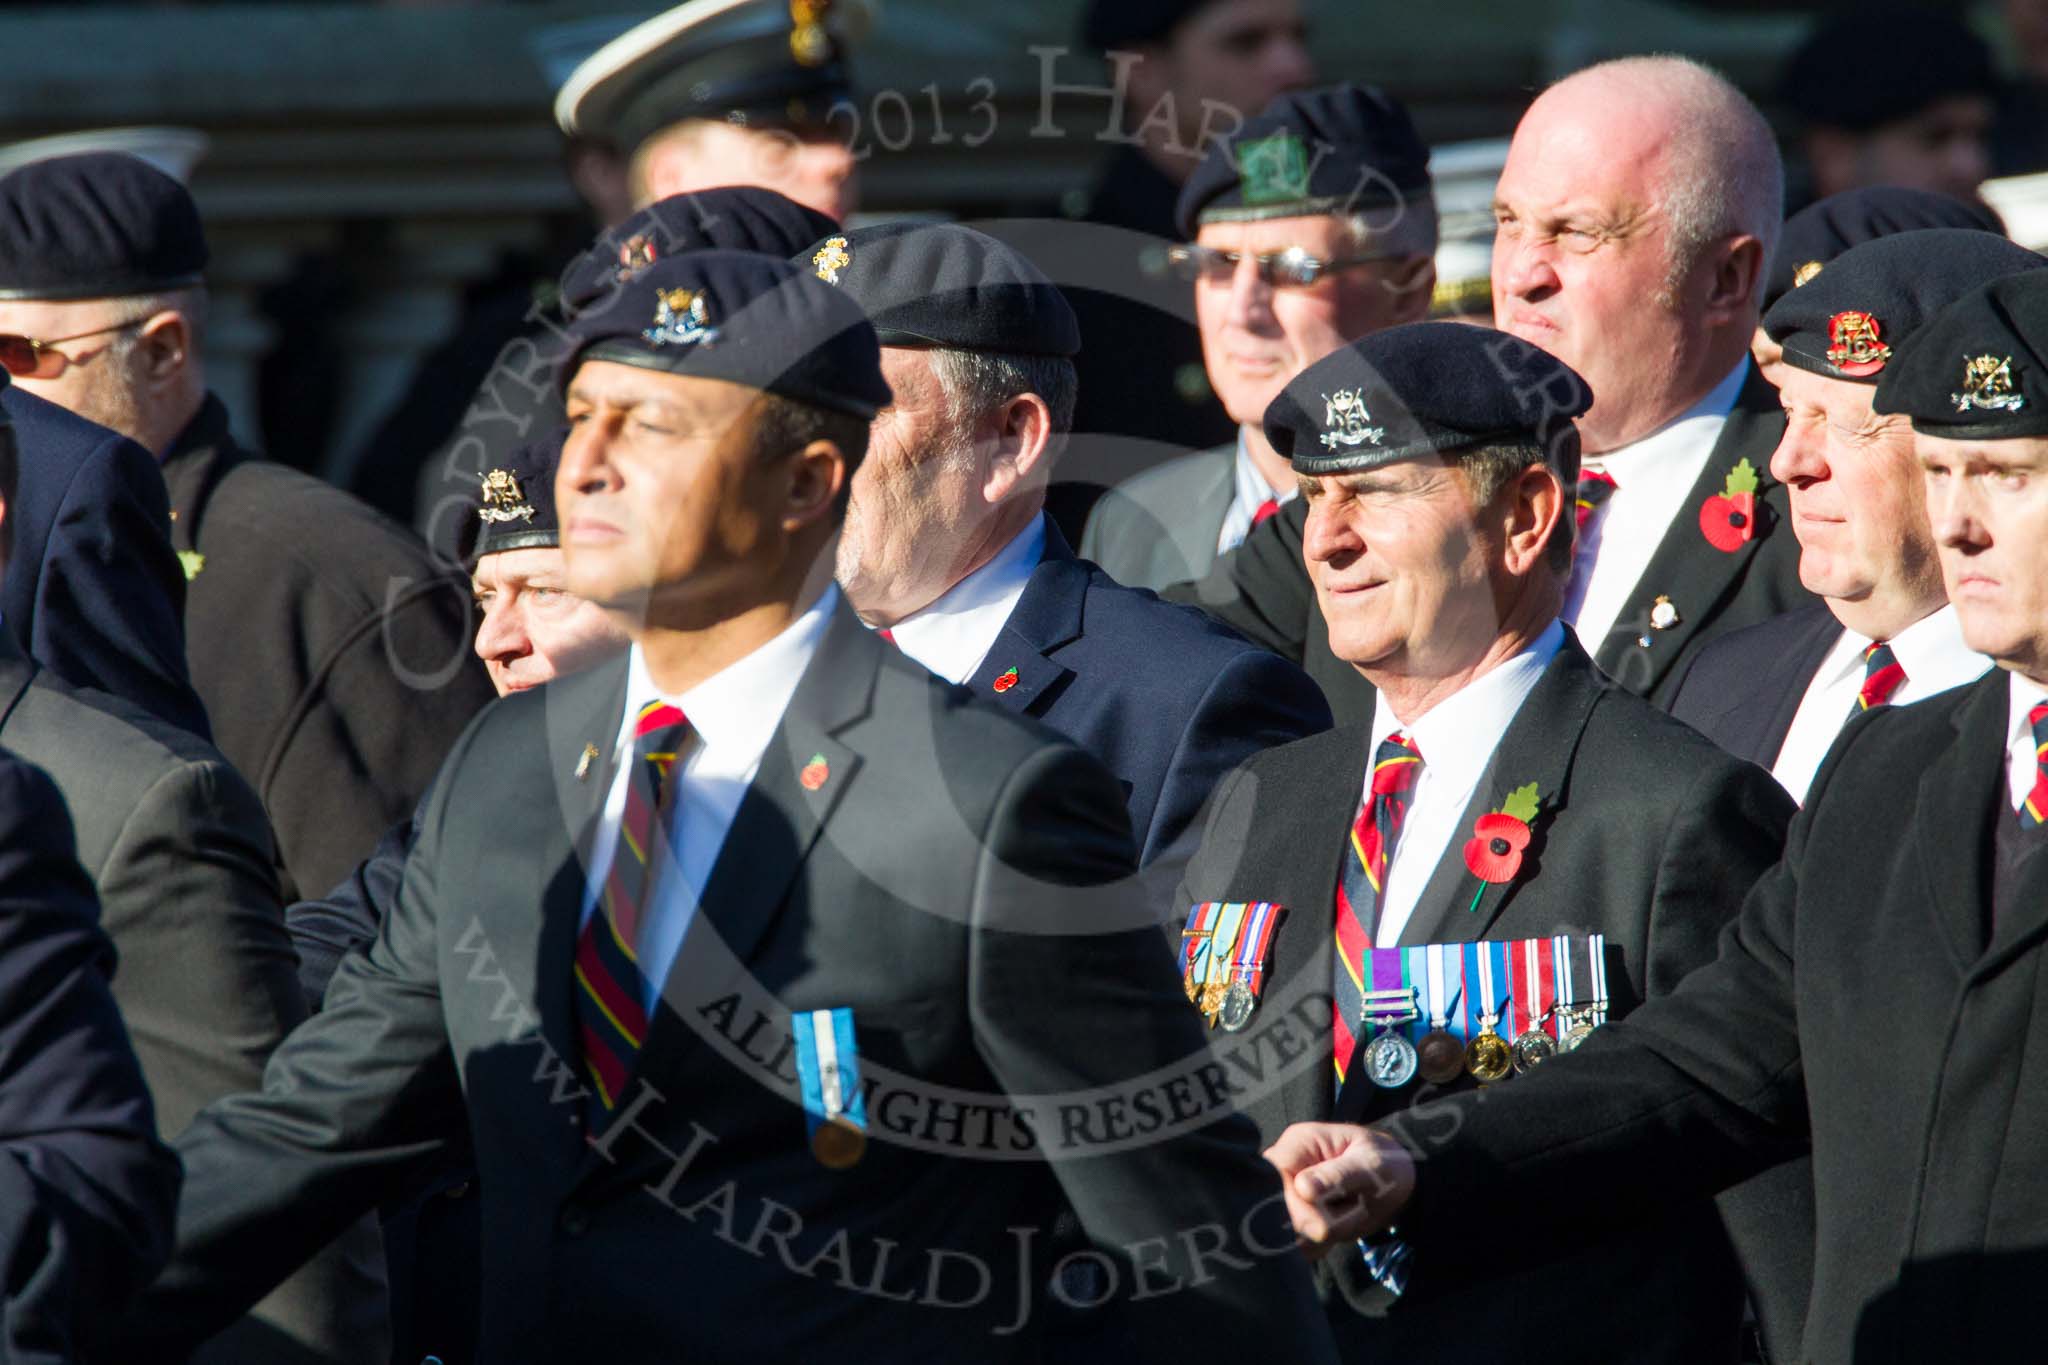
point(35, 358)
point(1292, 268)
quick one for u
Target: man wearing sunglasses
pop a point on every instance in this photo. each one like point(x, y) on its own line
point(1311, 227)
point(331, 652)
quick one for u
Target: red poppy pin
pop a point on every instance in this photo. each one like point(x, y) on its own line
point(815, 773)
point(1005, 681)
point(1494, 852)
point(1728, 519)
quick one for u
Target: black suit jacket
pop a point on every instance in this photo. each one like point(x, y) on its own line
point(332, 652)
point(1262, 588)
point(941, 873)
point(1859, 1003)
point(86, 1190)
point(1647, 834)
point(93, 591)
point(1743, 690)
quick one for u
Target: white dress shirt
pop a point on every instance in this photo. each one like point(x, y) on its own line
point(1251, 493)
point(955, 633)
point(733, 715)
point(2023, 767)
point(1653, 481)
point(1932, 652)
point(1456, 739)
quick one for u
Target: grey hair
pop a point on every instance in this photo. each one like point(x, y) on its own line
point(189, 303)
point(978, 382)
point(1723, 176)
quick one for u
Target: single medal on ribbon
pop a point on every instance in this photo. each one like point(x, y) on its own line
point(828, 1074)
point(1441, 1053)
point(1487, 1056)
point(1248, 973)
point(1582, 990)
point(1535, 992)
point(1230, 917)
point(1194, 948)
point(1389, 1058)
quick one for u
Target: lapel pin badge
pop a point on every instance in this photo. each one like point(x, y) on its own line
point(815, 774)
point(1005, 681)
point(1664, 615)
point(583, 763)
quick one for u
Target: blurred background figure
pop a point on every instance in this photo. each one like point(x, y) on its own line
point(1188, 71)
point(1311, 227)
point(1892, 95)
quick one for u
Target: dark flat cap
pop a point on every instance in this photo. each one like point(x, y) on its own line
point(743, 318)
point(1107, 24)
point(777, 63)
point(736, 218)
point(1822, 231)
point(514, 505)
point(1340, 149)
point(1423, 389)
point(1878, 64)
point(942, 284)
point(1848, 321)
point(1978, 370)
point(96, 226)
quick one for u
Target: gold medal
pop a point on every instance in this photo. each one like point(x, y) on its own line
point(838, 1144)
point(1489, 1058)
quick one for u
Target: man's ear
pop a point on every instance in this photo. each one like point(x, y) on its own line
point(1022, 454)
point(164, 344)
point(1738, 273)
point(817, 473)
point(1535, 502)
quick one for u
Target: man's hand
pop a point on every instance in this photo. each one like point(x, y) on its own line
point(1342, 1182)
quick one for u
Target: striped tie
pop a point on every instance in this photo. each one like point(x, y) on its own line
point(1266, 511)
point(1883, 676)
point(1595, 485)
point(1363, 881)
point(2034, 810)
point(610, 1015)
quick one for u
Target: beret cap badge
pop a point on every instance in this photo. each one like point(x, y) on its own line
point(503, 500)
point(1345, 413)
point(808, 41)
point(1274, 169)
point(1987, 386)
point(681, 318)
point(1805, 273)
point(831, 258)
point(1855, 343)
point(636, 253)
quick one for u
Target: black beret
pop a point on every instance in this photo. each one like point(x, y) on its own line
point(96, 226)
point(735, 218)
point(941, 284)
point(743, 318)
point(1879, 64)
point(1107, 24)
point(1978, 370)
point(515, 502)
point(1847, 322)
point(1341, 149)
point(1425, 388)
point(779, 63)
point(1822, 231)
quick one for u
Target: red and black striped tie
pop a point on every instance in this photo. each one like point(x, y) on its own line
point(610, 988)
point(1883, 676)
point(2034, 810)
point(1266, 511)
point(1595, 487)
point(1362, 884)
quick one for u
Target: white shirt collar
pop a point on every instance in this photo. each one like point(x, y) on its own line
point(1458, 735)
point(735, 710)
point(1681, 432)
point(2023, 766)
point(1932, 652)
point(955, 633)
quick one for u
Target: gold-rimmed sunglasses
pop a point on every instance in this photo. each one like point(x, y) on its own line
point(39, 358)
point(1292, 268)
